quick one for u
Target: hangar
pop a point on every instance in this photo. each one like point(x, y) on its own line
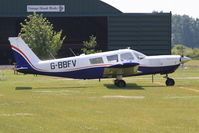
point(149, 33)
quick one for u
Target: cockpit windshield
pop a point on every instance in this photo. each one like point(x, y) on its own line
point(139, 55)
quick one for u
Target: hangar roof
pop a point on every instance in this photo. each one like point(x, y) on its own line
point(21, 8)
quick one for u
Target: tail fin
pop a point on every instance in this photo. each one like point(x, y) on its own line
point(24, 56)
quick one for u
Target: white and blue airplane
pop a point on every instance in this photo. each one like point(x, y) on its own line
point(114, 64)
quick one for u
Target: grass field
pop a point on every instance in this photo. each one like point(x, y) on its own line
point(30, 104)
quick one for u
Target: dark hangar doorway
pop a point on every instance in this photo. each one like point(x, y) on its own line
point(78, 29)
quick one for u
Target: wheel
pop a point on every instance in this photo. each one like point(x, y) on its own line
point(170, 82)
point(121, 83)
point(116, 82)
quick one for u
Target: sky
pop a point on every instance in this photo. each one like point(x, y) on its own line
point(180, 7)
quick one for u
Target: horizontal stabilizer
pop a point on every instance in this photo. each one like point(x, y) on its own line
point(22, 68)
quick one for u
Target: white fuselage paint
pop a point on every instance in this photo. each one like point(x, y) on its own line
point(82, 61)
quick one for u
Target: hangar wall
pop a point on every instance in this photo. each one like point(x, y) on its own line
point(149, 33)
point(13, 8)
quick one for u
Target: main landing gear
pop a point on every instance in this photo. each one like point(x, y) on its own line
point(119, 82)
point(169, 81)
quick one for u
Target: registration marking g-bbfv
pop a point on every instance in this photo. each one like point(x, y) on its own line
point(63, 64)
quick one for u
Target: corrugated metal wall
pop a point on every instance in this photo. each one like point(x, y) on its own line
point(147, 33)
point(18, 8)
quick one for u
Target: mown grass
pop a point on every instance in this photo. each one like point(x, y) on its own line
point(30, 104)
point(192, 63)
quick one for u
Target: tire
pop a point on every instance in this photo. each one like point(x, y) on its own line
point(116, 82)
point(121, 84)
point(170, 82)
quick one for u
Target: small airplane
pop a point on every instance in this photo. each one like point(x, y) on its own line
point(114, 64)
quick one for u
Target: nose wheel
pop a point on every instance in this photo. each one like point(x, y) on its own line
point(169, 81)
point(120, 83)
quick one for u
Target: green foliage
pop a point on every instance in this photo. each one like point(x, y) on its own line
point(2, 76)
point(196, 53)
point(180, 49)
point(90, 46)
point(185, 30)
point(38, 33)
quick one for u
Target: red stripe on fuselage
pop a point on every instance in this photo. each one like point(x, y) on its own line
point(75, 69)
point(13, 47)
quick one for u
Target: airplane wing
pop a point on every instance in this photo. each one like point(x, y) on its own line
point(124, 69)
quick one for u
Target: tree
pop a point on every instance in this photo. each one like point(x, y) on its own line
point(180, 49)
point(90, 46)
point(38, 33)
point(185, 30)
point(196, 53)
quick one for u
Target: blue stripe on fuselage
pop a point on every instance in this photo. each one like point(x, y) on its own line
point(157, 70)
point(91, 73)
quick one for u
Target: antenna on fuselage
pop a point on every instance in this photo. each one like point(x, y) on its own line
point(51, 54)
point(72, 52)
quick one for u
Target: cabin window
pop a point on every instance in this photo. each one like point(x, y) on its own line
point(98, 60)
point(126, 57)
point(112, 58)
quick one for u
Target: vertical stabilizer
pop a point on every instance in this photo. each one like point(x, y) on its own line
point(23, 55)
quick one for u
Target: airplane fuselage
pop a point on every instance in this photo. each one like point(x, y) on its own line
point(93, 66)
point(114, 64)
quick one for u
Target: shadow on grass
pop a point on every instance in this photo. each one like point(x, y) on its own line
point(128, 87)
point(131, 86)
point(23, 88)
point(72, 87)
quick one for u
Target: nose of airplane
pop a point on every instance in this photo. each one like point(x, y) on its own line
point(184, 59)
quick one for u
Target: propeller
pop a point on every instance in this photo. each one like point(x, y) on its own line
point(184, 59)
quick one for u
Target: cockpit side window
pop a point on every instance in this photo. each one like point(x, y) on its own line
point(126, 57)
point(112, 58)
point(98, 60)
